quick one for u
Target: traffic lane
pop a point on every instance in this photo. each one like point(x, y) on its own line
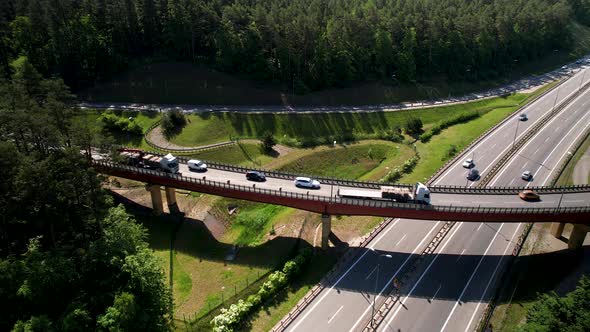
point(479, 291)
point(271, 183)
point(415, 307)
point(455, 267)
point(353, 290)
point(547, 145)
point(496, 144)
point(511, 200)
point(542, 169)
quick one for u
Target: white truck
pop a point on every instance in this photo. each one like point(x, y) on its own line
point(417, 194)
point(140, 158)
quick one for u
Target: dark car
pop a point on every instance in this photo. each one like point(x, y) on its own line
point(255, 176)
point(473, 174)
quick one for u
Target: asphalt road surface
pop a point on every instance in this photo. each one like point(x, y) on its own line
point(453, 285)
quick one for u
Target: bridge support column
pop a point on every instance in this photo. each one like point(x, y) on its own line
point(326, 230)
point(156, 198)
point(557, 229)
point(170, 196)
point(577, 237)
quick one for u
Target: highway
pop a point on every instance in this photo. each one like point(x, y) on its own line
point(466, 253)
point(449, 294)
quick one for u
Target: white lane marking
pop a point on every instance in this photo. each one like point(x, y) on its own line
point(462, 252)
point(569, 147)
point(492, 278)
point(369, 275)
point(511, 182)
point(539, 148)
point(421, 276)
point(493, 146)
point(336, 313)
point(507, 123)
point(398, 242)
point(576, 201)
point(312, 309)
point(478, 227)
point(564, 137)
point(438, 289)
point(532, 139)
point(394, 275)
point(471, 278)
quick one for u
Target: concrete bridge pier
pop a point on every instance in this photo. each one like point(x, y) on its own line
point(557, 229)
point(576, 240)
point(170, 196)
point(156, 198)
point(326, 230)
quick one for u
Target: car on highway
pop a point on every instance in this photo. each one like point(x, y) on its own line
point(473, 174)
point(526, 175)
point(468, 163)
point(304, 182)
point(255, 176)
point(523, 117)
point(197, 165)
point(529, 195)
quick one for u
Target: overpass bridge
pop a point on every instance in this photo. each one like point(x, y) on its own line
point(448, 203)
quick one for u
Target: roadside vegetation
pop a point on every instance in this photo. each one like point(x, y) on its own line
point(566, 177)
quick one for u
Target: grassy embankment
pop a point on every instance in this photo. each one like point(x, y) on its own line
point(311, 129)
point(566, 177)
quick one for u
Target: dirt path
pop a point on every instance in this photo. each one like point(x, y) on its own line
point(582, 169)
point(156, 137)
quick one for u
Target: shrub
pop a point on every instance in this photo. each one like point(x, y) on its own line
point(268, 142)
point(172, 121)
point(114, 123)
point(413, 126)
point(230, 318)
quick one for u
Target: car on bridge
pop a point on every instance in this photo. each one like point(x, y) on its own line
point(255, 176)
point(304, 182)
point(197, 165)
point(529, 195)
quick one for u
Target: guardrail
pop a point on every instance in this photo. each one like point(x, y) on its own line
point(452, 189)
point(344, 201)
point(466, 149)
point(528, 135)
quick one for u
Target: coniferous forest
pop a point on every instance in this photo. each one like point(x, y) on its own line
point(313, 43)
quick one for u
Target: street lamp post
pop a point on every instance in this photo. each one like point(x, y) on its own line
point(515, 132)
point(333, 172)
point(556, 95)
point(377, 283)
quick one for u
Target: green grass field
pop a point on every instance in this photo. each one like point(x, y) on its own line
point(366, 159)
point(216, 127)
point(244, 154)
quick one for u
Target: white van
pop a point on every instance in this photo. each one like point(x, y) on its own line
point(197, 165)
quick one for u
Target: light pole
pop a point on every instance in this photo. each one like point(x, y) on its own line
point(556, 95)
point(515, 132)
point(333, 171)
point(377, 282)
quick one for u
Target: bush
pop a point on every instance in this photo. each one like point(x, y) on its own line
point(397, 172)
point(114, 123)
point(451, 152)
point(172, 121)
point(230, 318)
point(268, 142)
point(414, 126)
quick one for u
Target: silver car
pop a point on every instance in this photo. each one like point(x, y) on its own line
point(303, 182)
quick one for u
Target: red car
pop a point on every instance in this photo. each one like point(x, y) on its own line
point(529, 195)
